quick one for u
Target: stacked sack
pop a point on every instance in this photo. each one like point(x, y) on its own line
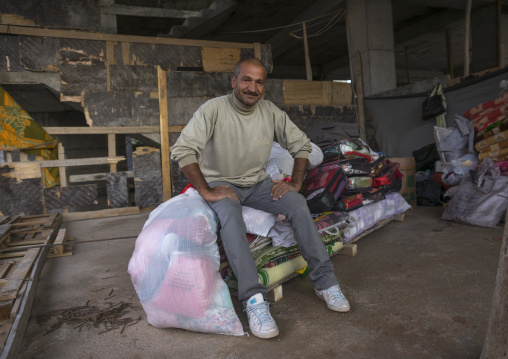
point(351, 176)
point(481, 197)
point(491, 126)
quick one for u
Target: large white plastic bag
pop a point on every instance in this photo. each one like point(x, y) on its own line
point(481, 199)
point(174, 269)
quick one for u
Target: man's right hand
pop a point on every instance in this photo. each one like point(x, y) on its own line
point(220, 192)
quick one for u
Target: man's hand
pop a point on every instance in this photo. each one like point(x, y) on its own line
point(280, 188)
point(220, 192)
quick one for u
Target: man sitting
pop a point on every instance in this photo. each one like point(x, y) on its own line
point(222, 152)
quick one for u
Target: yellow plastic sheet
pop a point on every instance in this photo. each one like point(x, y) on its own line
point(19, 132)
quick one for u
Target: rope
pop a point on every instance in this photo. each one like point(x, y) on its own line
point(284, 26)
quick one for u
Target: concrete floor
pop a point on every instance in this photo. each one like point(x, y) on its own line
point(418, 289)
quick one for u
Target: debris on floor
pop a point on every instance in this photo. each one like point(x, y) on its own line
point(87, 316)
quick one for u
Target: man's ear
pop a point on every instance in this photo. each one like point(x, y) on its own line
point(233, 81)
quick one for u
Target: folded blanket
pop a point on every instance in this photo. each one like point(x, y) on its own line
point(367, 216)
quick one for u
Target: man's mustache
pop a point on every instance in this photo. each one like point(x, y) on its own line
point(251, 93)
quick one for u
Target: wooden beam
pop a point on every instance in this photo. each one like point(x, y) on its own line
point(308, 69)
point(10, 289)
point(78, 162)
point(16, 334)
point(257, 50)
point(127, 130)
point(112, 212)
point(164, 131)
point(60, 239)
point(120, 130)
point(147, 11)
point(466, 37)
point(82, 35)
point(94, 177)
point(112, 150)
point(62, 170)
point(110, 60)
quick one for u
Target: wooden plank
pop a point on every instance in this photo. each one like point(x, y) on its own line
point(164, 123)
point(15, 337)
point(110, 60)
point(71, 34)
point(308, 68)
point(11, 288)
point(112, 150)
point(101, 130)
point(22, 170)
point(101, 213)
point(349, 249)
point(74, 196)
point(4, 219)
point(96, 177)
point(78, 162)
point(5, 268)
point(257, 50)
point(58, 248)
point(5, 233)
point(17, 302)
point(62, 170)
point(31, 223)
point(220, 59)
point(298, 92)
point(275, 294)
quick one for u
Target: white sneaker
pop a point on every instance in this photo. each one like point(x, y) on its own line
point(261, 322)
point(334, 298)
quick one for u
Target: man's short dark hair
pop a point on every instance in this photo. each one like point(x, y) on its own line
point(250, 60)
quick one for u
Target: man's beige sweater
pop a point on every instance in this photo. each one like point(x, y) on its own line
point(231, 142)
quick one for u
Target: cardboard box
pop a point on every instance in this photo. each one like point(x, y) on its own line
point(407, 168)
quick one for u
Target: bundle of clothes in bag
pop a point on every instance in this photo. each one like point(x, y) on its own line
point(480, 193)
point(180, 271)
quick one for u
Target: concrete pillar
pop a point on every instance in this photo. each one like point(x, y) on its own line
point(370, 30)
point(484, 39)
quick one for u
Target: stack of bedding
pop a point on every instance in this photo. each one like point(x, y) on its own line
point(369, 197)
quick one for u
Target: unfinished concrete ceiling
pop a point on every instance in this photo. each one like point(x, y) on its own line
point(420, 28)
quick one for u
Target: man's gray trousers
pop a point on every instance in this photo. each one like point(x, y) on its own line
point(232, 233)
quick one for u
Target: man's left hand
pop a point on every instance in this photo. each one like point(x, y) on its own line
point(280, 188)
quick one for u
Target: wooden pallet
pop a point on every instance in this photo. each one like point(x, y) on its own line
point(24, 245)
point(349, 249)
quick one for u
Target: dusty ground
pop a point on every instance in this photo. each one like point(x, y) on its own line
point(418, 289)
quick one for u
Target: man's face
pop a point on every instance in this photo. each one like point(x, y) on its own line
point(249, 86)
